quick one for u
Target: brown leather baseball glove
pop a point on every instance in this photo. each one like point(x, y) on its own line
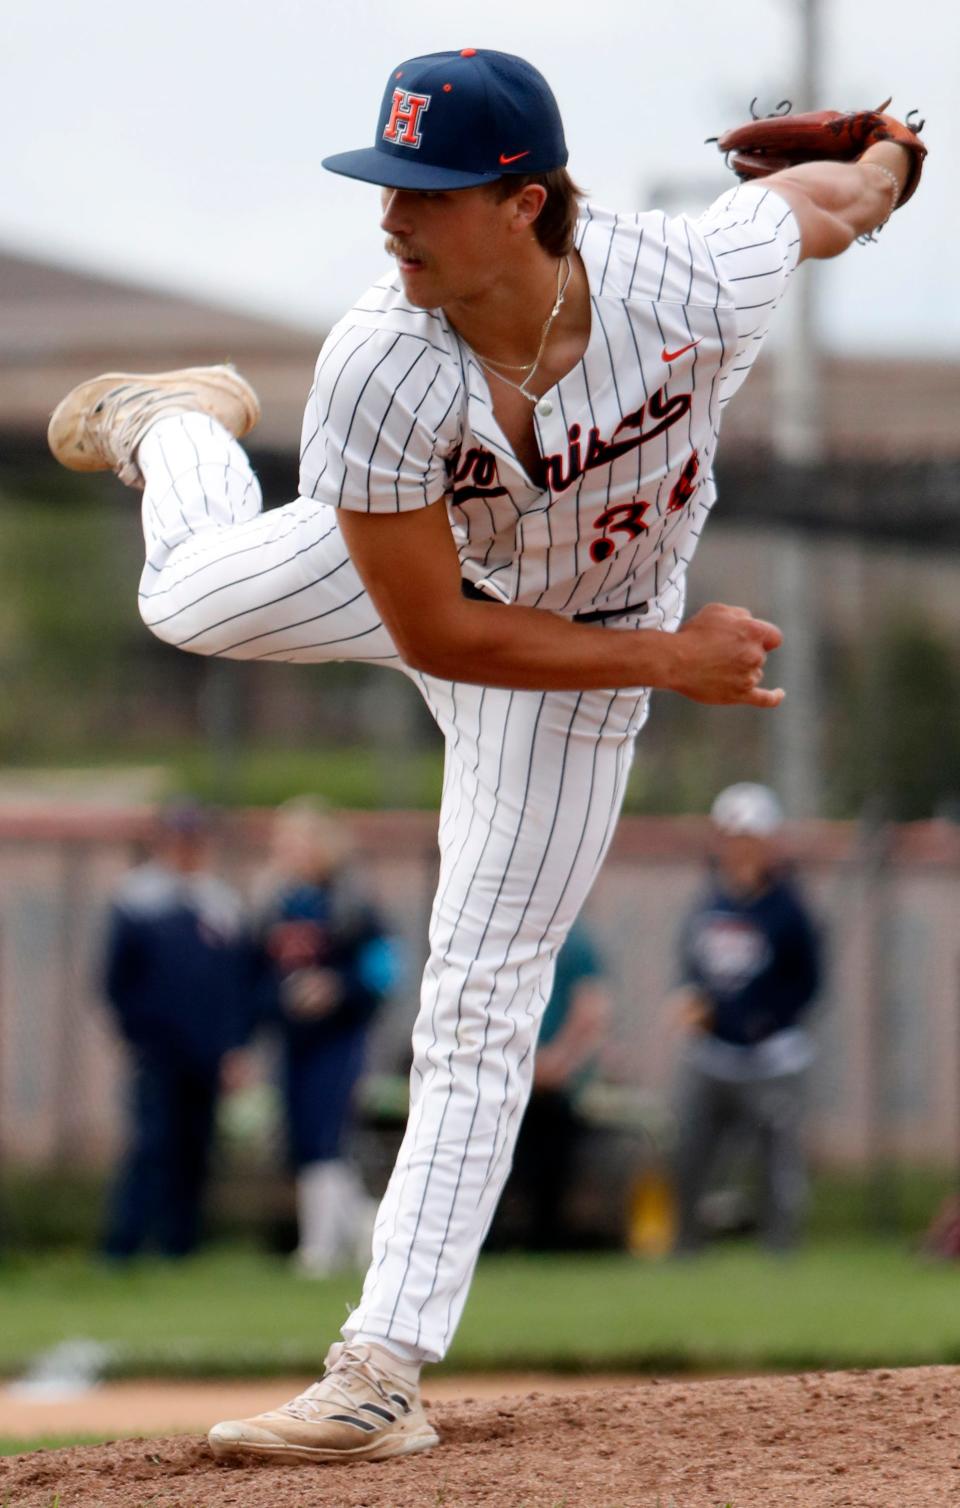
point(768, 143)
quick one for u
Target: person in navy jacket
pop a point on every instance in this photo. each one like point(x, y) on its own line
point(330, 963)
point(178, 976)
point(750, 969)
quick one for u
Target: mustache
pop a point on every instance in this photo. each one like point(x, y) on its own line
point(400, 249)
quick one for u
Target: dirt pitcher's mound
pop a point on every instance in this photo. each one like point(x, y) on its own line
point(824, 1440)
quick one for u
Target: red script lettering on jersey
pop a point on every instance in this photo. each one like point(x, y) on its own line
point(665, 411)
point(627, 518)
point(686, 484)
point(478, 468)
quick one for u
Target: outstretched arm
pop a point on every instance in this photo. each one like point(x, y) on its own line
point(410, 568)
point(835, 202)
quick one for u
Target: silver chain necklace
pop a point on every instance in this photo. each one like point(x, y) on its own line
point(542, 405)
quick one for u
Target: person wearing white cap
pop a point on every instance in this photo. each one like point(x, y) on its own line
point(750, 970)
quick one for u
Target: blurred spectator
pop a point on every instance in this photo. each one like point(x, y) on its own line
point(942, 1236)
point(178, 976)
point(330, 965)
point(750, 970)
point(574, 1026)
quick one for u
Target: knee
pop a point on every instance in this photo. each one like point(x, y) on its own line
point(182, 629)
point(163, 629)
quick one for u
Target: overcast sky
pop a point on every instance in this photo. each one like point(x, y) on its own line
point(179, 143)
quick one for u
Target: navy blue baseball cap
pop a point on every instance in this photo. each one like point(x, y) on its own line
point(451, 120)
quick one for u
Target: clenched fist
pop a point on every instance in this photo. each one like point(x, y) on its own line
point(720, 656)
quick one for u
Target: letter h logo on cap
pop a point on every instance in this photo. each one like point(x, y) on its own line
point(405, 112)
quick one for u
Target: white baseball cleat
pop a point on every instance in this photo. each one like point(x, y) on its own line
point(363, 1408)
point(98, 426)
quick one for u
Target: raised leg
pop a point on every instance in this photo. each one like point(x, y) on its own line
point(222, 577)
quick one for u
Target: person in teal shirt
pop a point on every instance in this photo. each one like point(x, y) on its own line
point(574, 1027)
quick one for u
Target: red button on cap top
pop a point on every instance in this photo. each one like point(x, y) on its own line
point(468, 52)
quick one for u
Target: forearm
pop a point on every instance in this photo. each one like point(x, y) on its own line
point(717, 657)
point(409, 566)
point(558, 1062)
point(836, 202)
point(578, 1041)
point(690, 1008)
point(523, 648)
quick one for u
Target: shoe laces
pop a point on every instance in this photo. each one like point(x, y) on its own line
point(121, 418)
point(357, 1375)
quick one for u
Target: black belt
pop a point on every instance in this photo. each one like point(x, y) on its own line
point(601, 615)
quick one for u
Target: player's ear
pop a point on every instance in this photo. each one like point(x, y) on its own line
point(526, 205)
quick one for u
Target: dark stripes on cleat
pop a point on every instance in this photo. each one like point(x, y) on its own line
point(386, 1415)
point(363, 1424)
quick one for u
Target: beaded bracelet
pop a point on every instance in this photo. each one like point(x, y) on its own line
point(897, 190)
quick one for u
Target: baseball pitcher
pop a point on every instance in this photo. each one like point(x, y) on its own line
point(506, 464)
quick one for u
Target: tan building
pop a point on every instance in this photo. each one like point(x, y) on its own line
point(59, 326)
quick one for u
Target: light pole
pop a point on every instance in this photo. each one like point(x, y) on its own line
point(798, 442)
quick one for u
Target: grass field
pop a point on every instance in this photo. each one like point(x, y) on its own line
point(9, 1447)
point(233, 1312)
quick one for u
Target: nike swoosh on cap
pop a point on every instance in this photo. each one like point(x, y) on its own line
point(505, 160)
point(666, 355)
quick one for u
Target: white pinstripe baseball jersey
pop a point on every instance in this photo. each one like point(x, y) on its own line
point(400, 414)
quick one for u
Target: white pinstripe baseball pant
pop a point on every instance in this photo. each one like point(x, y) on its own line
point(533, 784)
